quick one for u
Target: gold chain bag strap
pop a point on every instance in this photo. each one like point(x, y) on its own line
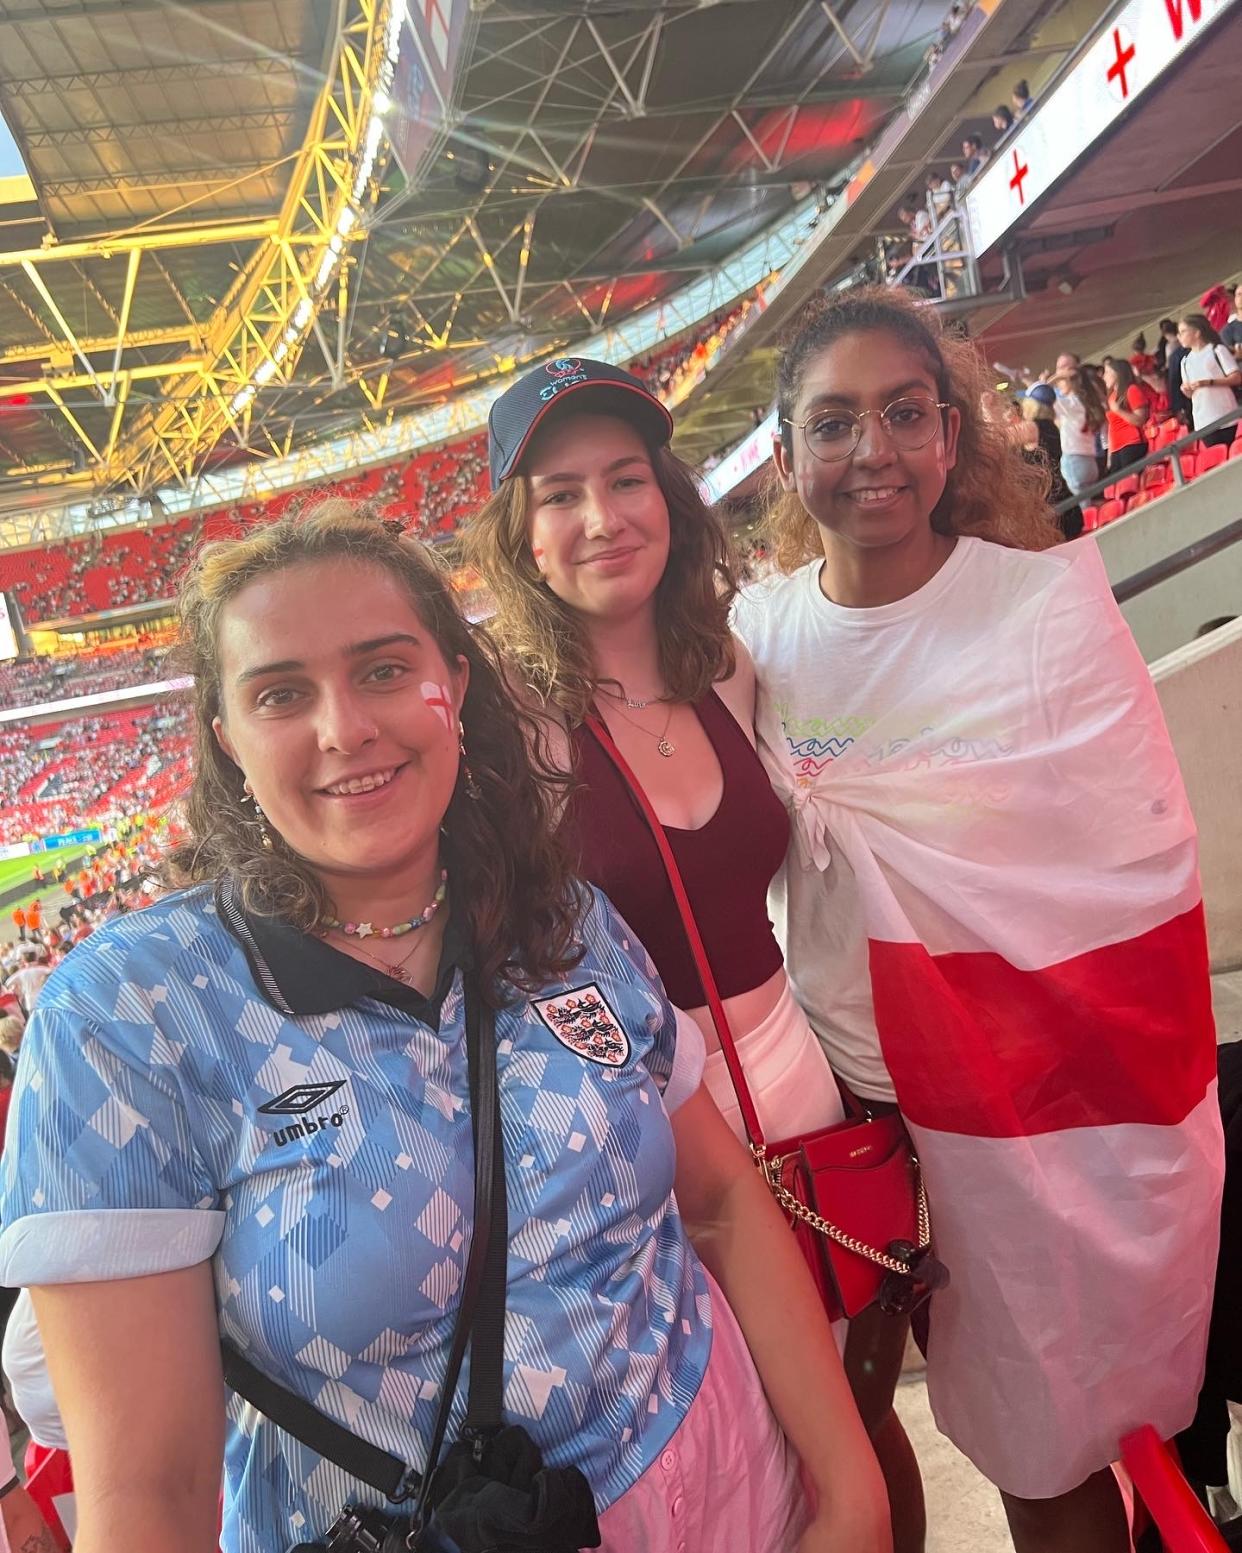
point(853, 1192)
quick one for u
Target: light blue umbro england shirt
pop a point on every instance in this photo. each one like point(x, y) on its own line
point(191, 1089)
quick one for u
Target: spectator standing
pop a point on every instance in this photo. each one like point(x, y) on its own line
point(1080, 414)
point(1174, 355)
point(1215, 305)
point(1039, 411)
point(1002, 120)
point(1022, 100)
point(19, 922)
point(1210, 376)
point(1231, 333)
point(27, 983)
point(976, 154)
point(1128, 413)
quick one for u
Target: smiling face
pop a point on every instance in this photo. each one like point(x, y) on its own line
point(881, 495)
point(340, 710)
point(599, 524)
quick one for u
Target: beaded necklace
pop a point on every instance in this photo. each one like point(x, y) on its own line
point(399, 929)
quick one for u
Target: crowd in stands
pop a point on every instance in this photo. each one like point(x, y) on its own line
point(111, 878)
point(441, 486)
point(1091, 420)
point(33, 681)
point(93, 770)
point(675, 369)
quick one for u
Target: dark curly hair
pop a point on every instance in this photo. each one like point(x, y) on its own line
point(511, 875)
point(992, 492)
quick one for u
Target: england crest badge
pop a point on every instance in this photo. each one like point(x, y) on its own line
point(582, 1020)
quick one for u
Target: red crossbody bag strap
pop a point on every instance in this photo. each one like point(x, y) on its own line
point(719, 1018)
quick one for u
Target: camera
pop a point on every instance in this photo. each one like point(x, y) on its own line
point(358, 1530)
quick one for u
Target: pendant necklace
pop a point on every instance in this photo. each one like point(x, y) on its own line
point(664, 744)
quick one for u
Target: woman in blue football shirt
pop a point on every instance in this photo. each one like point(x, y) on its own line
point(244, 1112)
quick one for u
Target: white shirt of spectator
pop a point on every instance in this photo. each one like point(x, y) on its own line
point(1209, 361)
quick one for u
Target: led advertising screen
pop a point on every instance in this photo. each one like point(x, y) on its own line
point(10, 641)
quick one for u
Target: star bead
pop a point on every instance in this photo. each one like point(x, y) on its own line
point(365, 930)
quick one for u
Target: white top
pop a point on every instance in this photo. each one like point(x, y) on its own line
point(27, 984)
point(1209, 404)
point(829, 672)
point(1076, 437)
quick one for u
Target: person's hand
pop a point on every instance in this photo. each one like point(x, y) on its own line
point(836, 1534)
point(1190, 388)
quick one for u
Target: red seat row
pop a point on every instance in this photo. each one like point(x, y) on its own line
point(1133, 491)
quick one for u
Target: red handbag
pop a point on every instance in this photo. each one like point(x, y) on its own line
point(853, 1192)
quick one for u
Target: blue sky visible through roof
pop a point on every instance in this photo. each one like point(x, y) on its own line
point(11, 164)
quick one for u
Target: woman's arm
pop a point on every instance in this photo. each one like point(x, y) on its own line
point(135, 1364)
point(745, 1243)
point(738, 691)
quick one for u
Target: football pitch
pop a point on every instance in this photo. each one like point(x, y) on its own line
point(18, 870)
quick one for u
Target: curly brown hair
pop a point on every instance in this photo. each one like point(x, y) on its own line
point(545, 640)
point(992, 492)
point(511, 875)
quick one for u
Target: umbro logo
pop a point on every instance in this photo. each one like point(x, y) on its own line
point(300, 1099)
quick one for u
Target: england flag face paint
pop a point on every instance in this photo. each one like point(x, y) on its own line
point(439, 699)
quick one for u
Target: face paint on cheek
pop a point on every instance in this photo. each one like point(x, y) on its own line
point(437, 697)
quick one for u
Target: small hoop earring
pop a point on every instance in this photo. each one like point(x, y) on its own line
point(265, 836)
point(467, 776)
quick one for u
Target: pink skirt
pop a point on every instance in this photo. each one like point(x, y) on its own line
point(728, 1481)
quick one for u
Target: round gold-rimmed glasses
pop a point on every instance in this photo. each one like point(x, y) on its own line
point(909, 422)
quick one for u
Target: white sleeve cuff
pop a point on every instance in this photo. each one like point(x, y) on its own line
point(94, 1246)
point(689, 1055)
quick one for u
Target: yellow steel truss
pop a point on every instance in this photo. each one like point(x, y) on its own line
point(296, 280)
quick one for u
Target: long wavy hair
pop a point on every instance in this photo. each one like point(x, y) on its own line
point(1090, 396)
point(545, 640)
point(511, 876)
point(991, 492)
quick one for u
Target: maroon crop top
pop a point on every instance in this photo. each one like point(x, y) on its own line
point(726, 864)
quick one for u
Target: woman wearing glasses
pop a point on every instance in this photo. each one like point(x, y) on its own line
point(991, 910)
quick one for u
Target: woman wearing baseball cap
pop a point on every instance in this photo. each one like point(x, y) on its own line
point(613, 583)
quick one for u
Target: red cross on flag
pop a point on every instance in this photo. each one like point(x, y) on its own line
point(1122, 63)
point(1020, 170)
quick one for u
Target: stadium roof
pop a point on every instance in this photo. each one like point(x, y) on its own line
point(224, 261)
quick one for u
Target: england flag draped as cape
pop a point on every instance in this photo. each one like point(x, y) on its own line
point(1029, 883)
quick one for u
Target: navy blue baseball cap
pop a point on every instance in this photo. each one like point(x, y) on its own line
point(518, 413)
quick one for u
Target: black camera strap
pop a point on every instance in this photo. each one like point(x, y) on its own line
point(480, 1320)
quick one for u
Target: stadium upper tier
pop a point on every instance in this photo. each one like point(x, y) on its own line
point(62, 776)
point(432, 491)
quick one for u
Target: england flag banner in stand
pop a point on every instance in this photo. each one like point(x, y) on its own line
point(1027, 871)
point(1138, 48)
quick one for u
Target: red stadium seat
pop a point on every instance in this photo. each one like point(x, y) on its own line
point(1109, 511)
point(1211, 458)
point(1235, 449)
point(1127, 486)
point(1090, 517)
point(1184, 1524)
point(1188, 460)
point(1155, 474)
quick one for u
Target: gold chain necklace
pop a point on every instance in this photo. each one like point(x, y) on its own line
point(397, 971)
point(664, 744)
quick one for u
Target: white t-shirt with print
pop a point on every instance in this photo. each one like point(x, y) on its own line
point(1077, 438)
point(828, 672)
point(1199, 366)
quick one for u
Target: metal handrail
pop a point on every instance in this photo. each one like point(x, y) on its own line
point(1170, 450)
point(1177, 563)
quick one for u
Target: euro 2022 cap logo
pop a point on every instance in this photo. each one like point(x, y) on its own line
point(563, 366)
